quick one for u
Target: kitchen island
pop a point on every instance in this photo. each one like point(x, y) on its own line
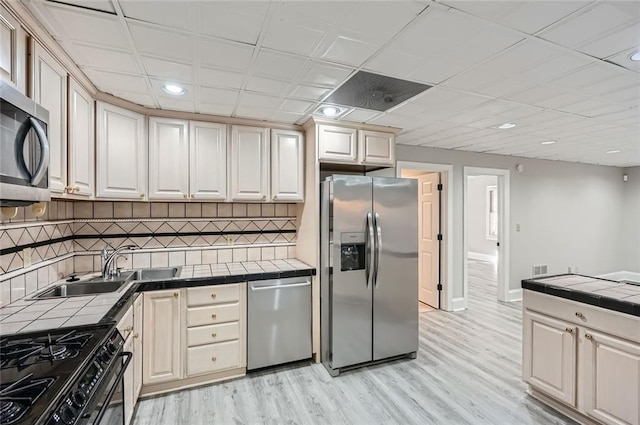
point(581, 347)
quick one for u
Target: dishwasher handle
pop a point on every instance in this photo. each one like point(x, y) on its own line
point(285, 286)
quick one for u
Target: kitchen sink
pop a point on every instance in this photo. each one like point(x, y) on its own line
point(77, 289)
point(159, 273)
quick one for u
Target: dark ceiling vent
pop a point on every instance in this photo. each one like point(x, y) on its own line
point(373, 91)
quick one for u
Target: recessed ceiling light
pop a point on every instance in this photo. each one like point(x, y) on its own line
point(548, 142)
point(635, 56)
point(330, 111)
point(506, 126)
point(614, 151)
point(174, 89)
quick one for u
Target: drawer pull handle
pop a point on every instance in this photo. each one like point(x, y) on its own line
point(214, 335)
point(213, 316)
point(136, 335)
point(580, 315)
point(570, 330)
point(175, 294)
point(213, 295)
point(213, 359)
point(588, 336)
point(128, 329)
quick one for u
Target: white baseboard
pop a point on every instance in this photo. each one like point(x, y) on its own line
point(514, 295)
point(482, 257)
point(623, 275)
point(458, 304)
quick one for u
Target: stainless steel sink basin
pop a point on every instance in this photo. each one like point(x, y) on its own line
point(78, 289)
point(159, 273)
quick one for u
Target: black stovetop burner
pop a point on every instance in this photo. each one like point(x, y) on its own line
point(36, 368)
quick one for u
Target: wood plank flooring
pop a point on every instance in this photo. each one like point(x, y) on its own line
point(468, 371)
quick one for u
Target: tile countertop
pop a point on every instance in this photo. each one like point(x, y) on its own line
point(609, 294)
point(30, 314)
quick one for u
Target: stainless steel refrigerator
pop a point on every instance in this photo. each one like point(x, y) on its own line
point(368, 270)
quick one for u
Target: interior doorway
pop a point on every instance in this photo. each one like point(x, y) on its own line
point(486, 234)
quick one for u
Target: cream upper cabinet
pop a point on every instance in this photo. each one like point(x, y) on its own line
point(337, 144)
point(376, 148)
point(81, 173)
point(287, 165)
point(611, 385)
point(550, 356)
point(207, 161)
point(168, 159)
point(13, 50)
point(162, 352)
point(50, 91)
point(249, 165)
point(121, 160)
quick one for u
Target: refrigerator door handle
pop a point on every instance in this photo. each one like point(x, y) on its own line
point(378, 248)
point(369, 242)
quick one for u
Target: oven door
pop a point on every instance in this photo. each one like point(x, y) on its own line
point(109, 409)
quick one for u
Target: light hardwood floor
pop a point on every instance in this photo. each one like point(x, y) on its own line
point(468, 371)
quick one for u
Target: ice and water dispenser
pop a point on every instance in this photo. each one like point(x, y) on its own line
point(352, 251)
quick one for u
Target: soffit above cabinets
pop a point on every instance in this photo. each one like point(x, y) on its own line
point(560, 70)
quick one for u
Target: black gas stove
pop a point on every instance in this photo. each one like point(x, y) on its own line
point(57, 376)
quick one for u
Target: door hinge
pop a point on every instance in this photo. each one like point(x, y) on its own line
point(439, 287)
point(439, 186)
point(498, 243)
point(440, 236)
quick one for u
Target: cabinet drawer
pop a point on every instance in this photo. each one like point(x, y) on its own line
point(213, 333)
point(215, 294)
point(214, 314)
point(213, 357)
point(125, 325)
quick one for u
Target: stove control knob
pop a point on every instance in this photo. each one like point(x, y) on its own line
point(111, 348)
point(78, 399)
point(67, 415)
point(105, 357)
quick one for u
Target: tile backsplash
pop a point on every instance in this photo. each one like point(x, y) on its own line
point(69, 237)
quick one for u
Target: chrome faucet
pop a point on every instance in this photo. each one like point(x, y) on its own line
point(109, 259)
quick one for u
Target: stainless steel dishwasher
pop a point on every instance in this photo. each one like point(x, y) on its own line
point(278, 321)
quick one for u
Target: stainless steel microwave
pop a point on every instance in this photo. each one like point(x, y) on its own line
point(24, 149)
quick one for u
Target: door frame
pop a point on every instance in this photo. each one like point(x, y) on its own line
point(446, 224)
point(504, 220)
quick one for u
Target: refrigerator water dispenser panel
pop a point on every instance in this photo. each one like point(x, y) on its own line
point(352, 251)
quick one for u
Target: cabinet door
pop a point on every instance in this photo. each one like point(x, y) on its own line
point(337, 144)
point(550, 356)
point(611, 381)
point(168, 159)
point(376, 148)
point(161, 342)
point(249, 163)
point(81, 141)
point(287, 165)
point(138, 319)
point(129, 397)
point(50, 91)
point(207, 161)
point(13, 48)
point(121, 160)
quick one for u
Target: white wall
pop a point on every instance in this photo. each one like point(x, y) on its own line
point(569, 213)
point(631, 220)
point(477, 215)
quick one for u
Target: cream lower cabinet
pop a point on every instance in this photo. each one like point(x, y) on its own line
point(193, 336)
point(586, 358)
point(130, 327)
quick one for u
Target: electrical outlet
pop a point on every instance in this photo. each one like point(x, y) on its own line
point(230, 240)
point(26, 257)
point(517, 227)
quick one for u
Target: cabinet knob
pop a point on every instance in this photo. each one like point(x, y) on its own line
point(68, 189)
point(76, 188)
point(175, 294)
point(264, 197)
point(128, 329)
point(580, 315)
point(570, 330)
point(213, 359)
point(136, 335)
point(213, 295)
point(213, 335)
point(213, 316)
point(588, 336)
point(142, 195)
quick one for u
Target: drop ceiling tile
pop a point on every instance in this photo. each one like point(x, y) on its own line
point(167, 13)
point(620, 40)
point(623, 60)
point(295, 106)
point(324, 13)
point(555, 67)
point(294, 36)
point(108, 81)
point(218, 96)
point(171, 71)
point(394, 63)
point(101, 5)
point(349, 50)
point(239, 21)
point(382, 20)
point(267, 86)
point(286, 117)
point(213, 109)
point(253, 113)
point(103, 58)
point(585, 76)
point(143, 99)
point(257, 101)
point(220, 78)
point(279, 65)
point(162, 42)
point(308, 92)
point(360, 115)
point(225, 54)
point(177, 104)
point(325, 74)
